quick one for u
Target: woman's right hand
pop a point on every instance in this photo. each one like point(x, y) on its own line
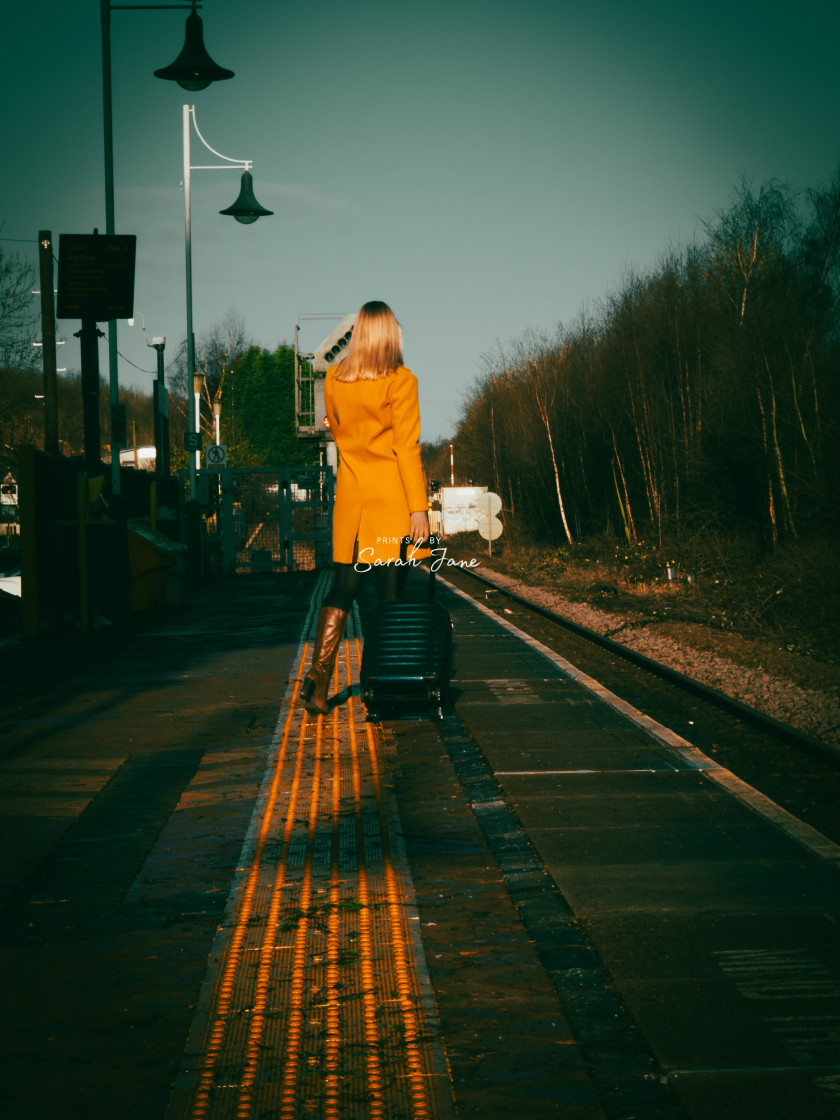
point(419, 526)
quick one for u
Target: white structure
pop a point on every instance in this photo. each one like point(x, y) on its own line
point(461, 508)
point(141, 458)
point(310, 373)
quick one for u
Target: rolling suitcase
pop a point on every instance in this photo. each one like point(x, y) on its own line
point(406, 654)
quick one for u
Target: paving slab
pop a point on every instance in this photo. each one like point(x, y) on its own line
point(130, 763)
point(508, 1042)
point(627, 938)
point(717, 929)
point(137, 769)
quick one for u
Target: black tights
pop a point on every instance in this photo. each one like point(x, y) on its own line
point(347, 584)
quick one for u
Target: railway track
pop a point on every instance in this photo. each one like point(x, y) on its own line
point(799, 772)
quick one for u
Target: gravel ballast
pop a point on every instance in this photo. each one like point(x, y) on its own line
point(816, 712)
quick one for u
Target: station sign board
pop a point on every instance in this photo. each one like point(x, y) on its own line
point(96, 276)
point(461, 507)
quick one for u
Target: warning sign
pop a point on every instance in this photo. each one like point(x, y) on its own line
point(215, 457)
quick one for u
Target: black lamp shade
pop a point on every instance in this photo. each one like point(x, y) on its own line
point(194, 69)
point(246, 209)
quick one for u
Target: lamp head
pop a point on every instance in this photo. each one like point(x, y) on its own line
point(246, 209)
point(194, 69)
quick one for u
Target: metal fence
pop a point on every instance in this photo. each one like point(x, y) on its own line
point(74, 536)
point(268, 519)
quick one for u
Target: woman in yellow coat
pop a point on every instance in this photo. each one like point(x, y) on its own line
point(381, 494)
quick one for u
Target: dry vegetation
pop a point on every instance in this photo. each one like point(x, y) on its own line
point(780, 613)
point(689, 419)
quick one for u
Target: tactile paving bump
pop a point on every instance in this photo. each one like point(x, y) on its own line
point(317, 1002)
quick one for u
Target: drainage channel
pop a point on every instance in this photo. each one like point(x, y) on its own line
point(317, 1000)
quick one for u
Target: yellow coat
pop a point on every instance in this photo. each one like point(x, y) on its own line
point(376, 425)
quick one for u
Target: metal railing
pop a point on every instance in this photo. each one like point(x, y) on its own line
point(266, 519)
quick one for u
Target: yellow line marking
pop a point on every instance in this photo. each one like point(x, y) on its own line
point(257, 1022)
point(398, 936)
point(288, 997)
point(332, 1043)
point(224, 999)
point(296, 998)
point(369, 1003)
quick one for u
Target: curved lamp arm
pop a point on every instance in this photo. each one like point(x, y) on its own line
point(245, 164)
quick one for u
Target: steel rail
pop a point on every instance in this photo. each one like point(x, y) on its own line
point(714, 696)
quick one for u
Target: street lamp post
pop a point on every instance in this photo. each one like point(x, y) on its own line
point(45, 261)
point(198, 386)
point(246, 210)
point(193, 69)
point(160, 402)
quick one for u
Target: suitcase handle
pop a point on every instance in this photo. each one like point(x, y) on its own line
point(429, 542)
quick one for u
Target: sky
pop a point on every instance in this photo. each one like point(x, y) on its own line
point(483, 166)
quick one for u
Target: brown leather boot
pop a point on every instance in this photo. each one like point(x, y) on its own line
point(331, 622)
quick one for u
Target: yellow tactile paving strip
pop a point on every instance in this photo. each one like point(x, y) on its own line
point(316, 1002)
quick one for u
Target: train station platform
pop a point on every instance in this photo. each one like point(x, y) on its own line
point(543, 905)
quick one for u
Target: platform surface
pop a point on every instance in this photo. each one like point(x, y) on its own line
point(719, 928)
point(216, 906)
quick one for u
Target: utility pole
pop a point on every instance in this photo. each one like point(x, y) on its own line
point(45, 261)
point(89, 337)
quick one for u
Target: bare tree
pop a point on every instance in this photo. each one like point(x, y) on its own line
point(702, 392)
point(216, 352)
point(544, 384)
point(18, 311)
point(749, 236)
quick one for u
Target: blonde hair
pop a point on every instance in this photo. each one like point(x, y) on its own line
point(375, 349)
